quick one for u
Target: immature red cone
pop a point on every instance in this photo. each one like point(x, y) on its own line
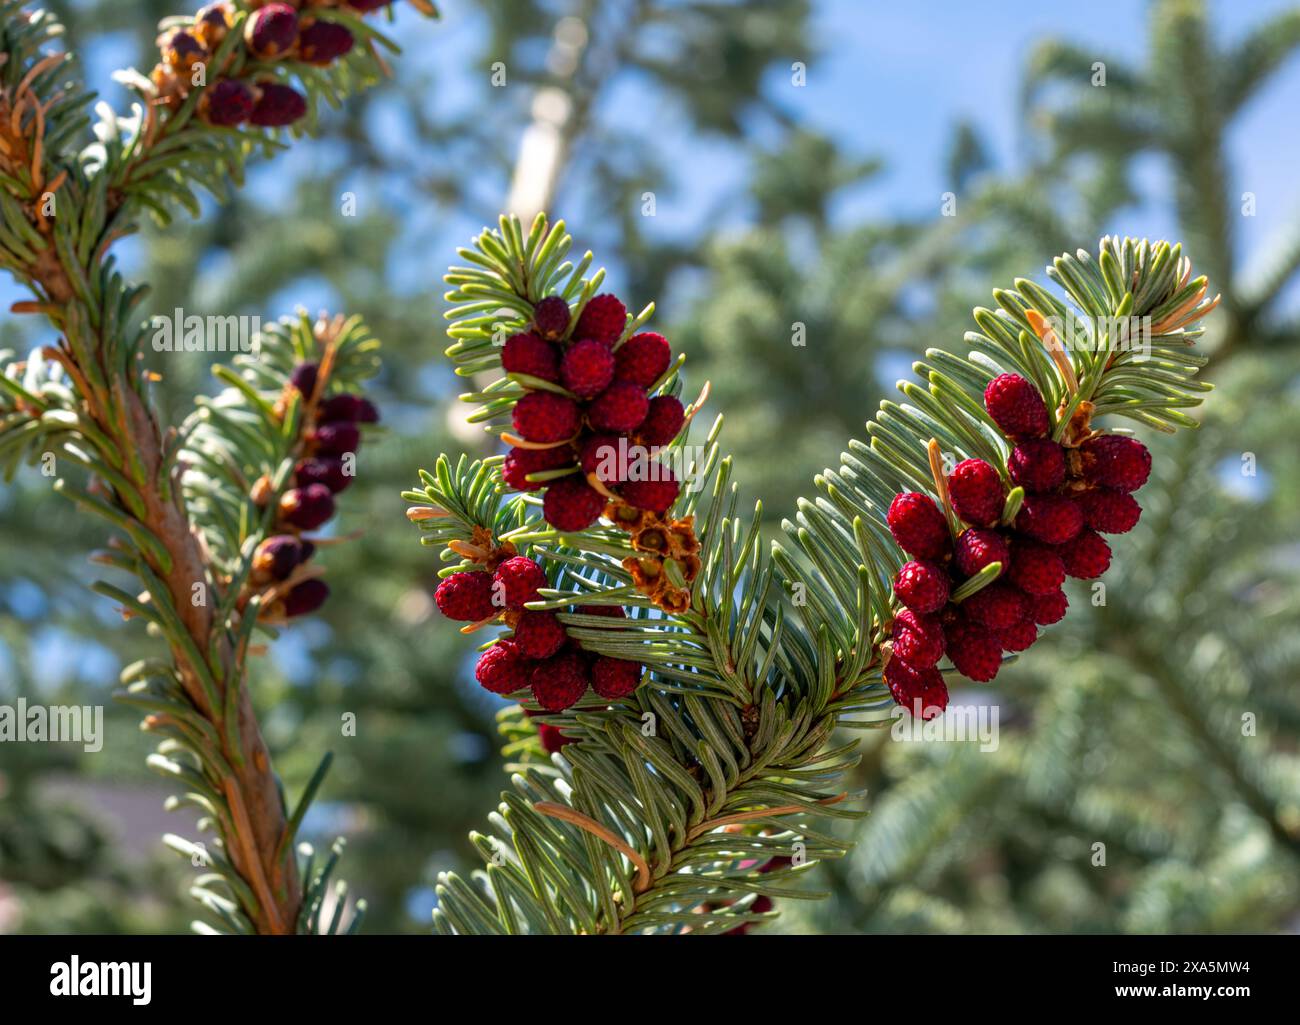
point(619, 408)
point(303, 377)
point(642, 359)
point(600, 454)
point(1052, 519)
point(1115, 461)
point(922, 586)
point(655, 495)
point(323, 42)
point(277, 105)
point(517, 580)
point(228, 103)
point(366, 412)
point(343, 406)
point(526, 353)
point(307, 507)
point(327, 471)
point(976, 492)
point(543, 416)
point(466, 596)
point(1018, 636)
point(587, 368)
point(909, 684)
point(501, 669)
point(1046, 609)
point(997, 606)
point(663, 421)
point(366, 6)
point(272, 30)
point(212, 23)
point(1109, 511)
point(918, 526)
point(336, 439)
point(552, 739)
point(1037, 464)
point(551, 317)
point(976, 547)
point(1016, 406)
point(1035, 567)
point(520, 462)
point(973, 649)
point(615, 678)
point(559, 681)
point(571, 504)
point(918, 639)
point(1086, 557)
point(181, 50)
point(602, 319)
point(278, 556)
point(306, 597)
point(539, 635)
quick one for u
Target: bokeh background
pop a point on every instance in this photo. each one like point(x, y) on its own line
point(933, 151)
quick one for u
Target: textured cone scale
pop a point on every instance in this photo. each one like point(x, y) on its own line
point(1046, 609)
point(642, 359)
point(277, 105)
point(655, 495)
point(323, 42)
point(336, 439)
point(1018, 636)
point(517, 581)
point(306, 597)
point(308, 507)
point(571, 504)
point(466, 597)
point(539, 635)
point(615, 678)
point(918, 526)
point(551, 317)
point(620, 408)
point(278, 555)
point(922, 586)
point(976, 492)
point(1037, 465)
point(530, 354)
point(663, 421)
point(587, 368)
point(974, 650)
point(1109, 511)
point(1035, 567)
point(228, 103)
point(501, 669)
point(1086, 557)
point(1052, 519)
point(272, 30)
point(918, 640)
point(1016, 406)
point(997, 606)
point(602, 319)
point(909, 684)
point(1114, 461)
point(976, 547)
point(520, 462)
point(559, 681)
point(326, 471)
point(545, 417)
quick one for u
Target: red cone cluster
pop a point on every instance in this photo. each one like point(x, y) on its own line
point(330, 441)
point(593, 434)
point(1072, 496)
point(540, 656)
point(273, 32)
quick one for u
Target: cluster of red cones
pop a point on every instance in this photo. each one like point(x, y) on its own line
point(1072, 495)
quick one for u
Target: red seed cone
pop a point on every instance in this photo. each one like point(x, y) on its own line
point(977, 493)
point(918, 639)
point(501, 669)
point(1114, 461)
point(620, 408)
point(663, 421)
point(1085, 557)
point(1052, 519)
point(306, 597)
point(517, 581)
point(572, 504)
point(1046, 609)
point(976, 547)
point(918, 526)
point(1037, 465)
point(654, 495)
point(1018, 636)
point(559, 681)
point(551, 317)
point(997, 606)
point(587, 368)
point(615, 678)
point(1035, 568)
point(1016, 406)
point(973, 649)
point(543, 416)
point(539, 635)
point(922, 586)
point(520, 462)
point(909, 684)
point(466, 596)
point(642, 359)
point(526, 353)
point(602, 319)
point(1109, 511)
